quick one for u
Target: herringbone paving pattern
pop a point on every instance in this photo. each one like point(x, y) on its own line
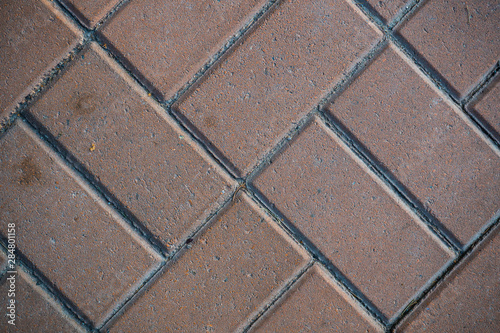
point(250, 166)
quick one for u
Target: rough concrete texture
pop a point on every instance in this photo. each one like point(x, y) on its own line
point(62, 230)
point(224, 276)
point(32, 39)
point(275, 76)
point(313, 306)
point(251, 165)
point(130, 149)
point(458, 38)
point(420, 139)
point(330, 199)
point(168, 41)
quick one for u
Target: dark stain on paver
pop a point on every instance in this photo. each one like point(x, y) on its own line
point(29, 171)
point(210, 121)
point(85, 104)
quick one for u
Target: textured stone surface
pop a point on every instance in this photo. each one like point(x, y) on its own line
point(276, 76)
point(230, 269)
point(424, 143)
point(73, 241)
point(3, 261)
point(138, 157)
point(388, 8)
point(313, 305)
point(32, 38)
point(458, 38)
point(348, 216)
point(468, 300)
point(89, 12)
point(488, 106)
point(34, 313)
point(168, 41)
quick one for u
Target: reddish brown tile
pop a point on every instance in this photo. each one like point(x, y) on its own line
point(313, 305)
point(276, 76)
point(424, 143)
point(59, 227)
point(169, 41)
point(488, 105)
point(388, 8)
point(458, 38)
point(34, 312)
point(133, 151)
point(229, 271)
point(32, 39)
point(468, 301)
point(351, 219)
point(90, 11)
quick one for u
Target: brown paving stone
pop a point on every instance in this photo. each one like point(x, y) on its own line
point(72, 240)
point(32, 39)
point(488, 105)
point(313, 305)
point(351, 219)
point(229, 271)
point(388, 8)
point(90, 11)
point(276, 76)
point(424, 143)
point(468, 301)
point(34, 312)
point(138, 157)
point(458, 38)
point(169, 41)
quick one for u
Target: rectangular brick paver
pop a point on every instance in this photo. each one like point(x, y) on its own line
point(32, 39)
point(275, 76)
point(73, 241)
point(388, 8)
point(337, 206)
point(469, 300)
point(313, 305)
point(133, 151)
point(421, 140)
point(168, 41)
point(229, 271)
point(34, 311)
point(458, 38)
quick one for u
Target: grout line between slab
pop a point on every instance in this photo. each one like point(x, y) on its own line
point(445, 272)
point(65, 305)
point(287, 285)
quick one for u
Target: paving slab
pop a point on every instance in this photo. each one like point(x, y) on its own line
point(129, 147)
point(227, 272)
point(422, 140)
point(323, 192)
point(33, 39)
point(469, 300)
point(168, 41)
point(278, 73)
point(388, 9)
point(458, 38)
point(62, 231)
point(314, 305)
